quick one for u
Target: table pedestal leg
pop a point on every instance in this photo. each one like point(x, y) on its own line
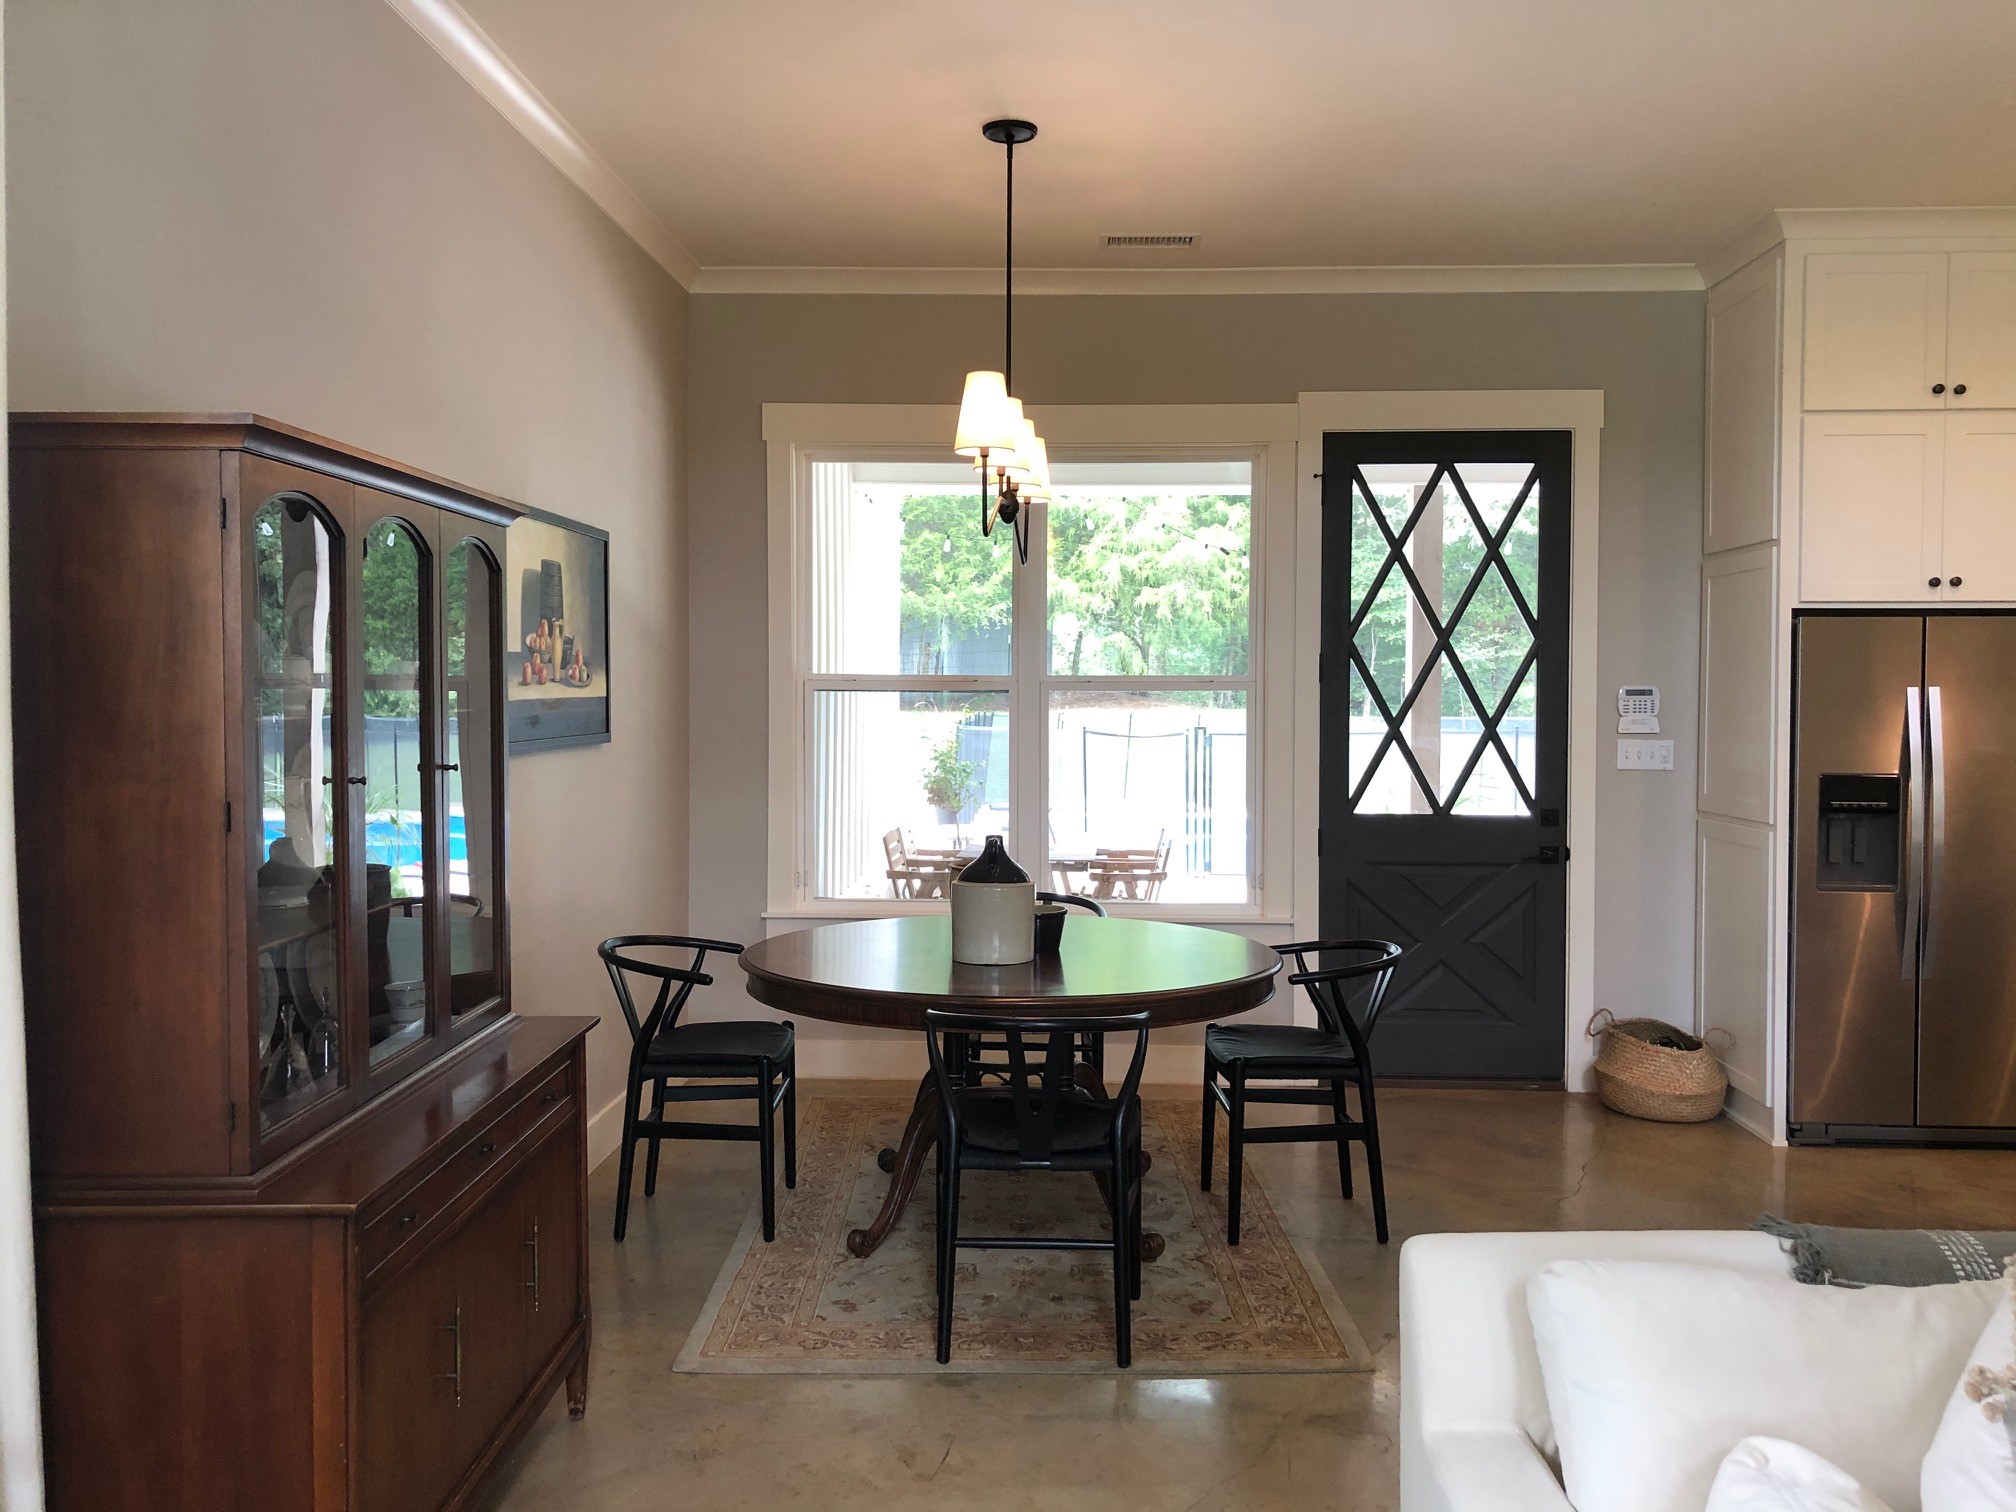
point(905, 1164)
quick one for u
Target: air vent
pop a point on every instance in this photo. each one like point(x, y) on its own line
point(1151, 241)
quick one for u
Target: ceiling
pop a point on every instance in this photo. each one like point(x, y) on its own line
point(1284, 133)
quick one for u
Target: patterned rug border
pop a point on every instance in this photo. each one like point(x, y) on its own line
point(1358, 1355)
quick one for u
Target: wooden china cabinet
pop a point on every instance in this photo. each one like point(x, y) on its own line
point(311, 1221)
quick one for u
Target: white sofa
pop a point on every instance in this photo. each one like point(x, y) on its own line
point(1474, 1434)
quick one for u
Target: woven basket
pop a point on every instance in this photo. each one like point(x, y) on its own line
point(1647, 1080)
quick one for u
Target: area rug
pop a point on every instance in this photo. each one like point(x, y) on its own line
point(803, 1305)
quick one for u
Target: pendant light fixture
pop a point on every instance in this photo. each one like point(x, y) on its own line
point(1006, 451)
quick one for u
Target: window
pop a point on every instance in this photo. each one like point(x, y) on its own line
point(1098, 706)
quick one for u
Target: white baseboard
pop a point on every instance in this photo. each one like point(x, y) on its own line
point(1749, 1115)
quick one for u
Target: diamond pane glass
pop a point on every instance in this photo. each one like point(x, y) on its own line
point(1491, 639)
point(1382, 641)
point(1437, 603)
point(1490, 789)
point(1494, 488)
point(1393, 789)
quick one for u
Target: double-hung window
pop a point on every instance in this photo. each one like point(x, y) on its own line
point(1098, 706)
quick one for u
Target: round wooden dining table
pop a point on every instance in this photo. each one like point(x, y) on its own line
point(888, 973)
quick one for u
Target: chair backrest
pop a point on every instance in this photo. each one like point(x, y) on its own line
point(892, 850)
point(621, 958)
point(1073, 900)
point(1366, 971)
point(1042, 1065)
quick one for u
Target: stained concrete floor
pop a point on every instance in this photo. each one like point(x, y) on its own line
point(1455, 1161)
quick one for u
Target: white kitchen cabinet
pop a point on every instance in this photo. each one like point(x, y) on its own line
point(1979, 515)
point(1981, 331)
point(1871, 527)
point(1876, 331)
point(1910, 330)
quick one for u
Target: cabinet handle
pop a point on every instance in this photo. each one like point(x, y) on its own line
point(447, 766)
point(355, 781)
point(1932, 582)
point(455, 1328)
point(1959, 389)
point(1953, 582)
point(554, 1095)
point(406, 1218)
point(533, 1245)
point(1938, 388)
point(486, 1149)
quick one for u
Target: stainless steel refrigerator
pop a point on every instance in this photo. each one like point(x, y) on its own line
point(1904, 878)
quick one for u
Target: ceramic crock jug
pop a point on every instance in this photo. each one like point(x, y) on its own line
point(993, 910)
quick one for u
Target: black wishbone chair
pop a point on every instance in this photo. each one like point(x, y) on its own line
point(1040, 1119)
point(984, 1054)
point(1333, 1054)
point(741, 1059)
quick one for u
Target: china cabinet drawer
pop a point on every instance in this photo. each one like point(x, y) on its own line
point(412, 1213)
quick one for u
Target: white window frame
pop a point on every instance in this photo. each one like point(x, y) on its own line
point(798, 435)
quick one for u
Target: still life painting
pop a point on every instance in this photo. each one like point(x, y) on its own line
point(556, 599)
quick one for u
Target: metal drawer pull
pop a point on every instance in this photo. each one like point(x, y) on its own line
point(533, 1245)
point(406, 1218)
point(555, 1095)
point(456, 1329)
point(488, 1147)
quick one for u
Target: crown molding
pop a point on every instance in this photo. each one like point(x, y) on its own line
point(1554, 279)
point(1944, 224)
point(470, 52)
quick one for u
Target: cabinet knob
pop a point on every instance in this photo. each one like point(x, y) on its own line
point(1932, 582)
point(1953, 582)
point(1959, 389)
point(1938, 388)
point(489, 1146)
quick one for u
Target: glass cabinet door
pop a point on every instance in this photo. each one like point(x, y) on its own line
point(473, 649)
point(397, 760)
point(292, 633)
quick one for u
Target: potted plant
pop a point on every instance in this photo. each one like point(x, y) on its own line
point(949, 782)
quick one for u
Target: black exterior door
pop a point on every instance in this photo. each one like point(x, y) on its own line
point(1445, 739)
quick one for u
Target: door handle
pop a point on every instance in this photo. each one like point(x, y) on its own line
point(533, 1245)
point(455, 1328)
point(1548, 855)
point(1935, 826)
point(1911, 770)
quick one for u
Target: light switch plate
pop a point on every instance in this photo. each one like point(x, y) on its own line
point(1644, 755)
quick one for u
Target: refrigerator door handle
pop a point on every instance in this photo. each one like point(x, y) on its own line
point(1935, 827)
point(1912, 769)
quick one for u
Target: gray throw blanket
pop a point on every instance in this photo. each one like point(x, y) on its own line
point(1824, 1256)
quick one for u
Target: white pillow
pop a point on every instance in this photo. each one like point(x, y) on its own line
point(1770, 1475)
point(1653, 1370)
point(1971, 1466)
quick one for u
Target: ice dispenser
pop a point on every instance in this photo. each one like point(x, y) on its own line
point(1861, 819)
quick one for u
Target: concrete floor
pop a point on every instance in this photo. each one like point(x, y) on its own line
point(1455, 1161)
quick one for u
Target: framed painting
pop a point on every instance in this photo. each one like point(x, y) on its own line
point(556, 648)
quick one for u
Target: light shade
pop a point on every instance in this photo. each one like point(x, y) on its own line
point(1036, 456)
point(988, 419)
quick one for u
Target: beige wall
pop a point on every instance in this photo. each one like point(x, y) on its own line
point(296, 207)
point(1642, 350)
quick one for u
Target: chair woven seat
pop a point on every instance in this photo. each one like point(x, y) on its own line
point(1287, 1044)
point(695, 1046)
